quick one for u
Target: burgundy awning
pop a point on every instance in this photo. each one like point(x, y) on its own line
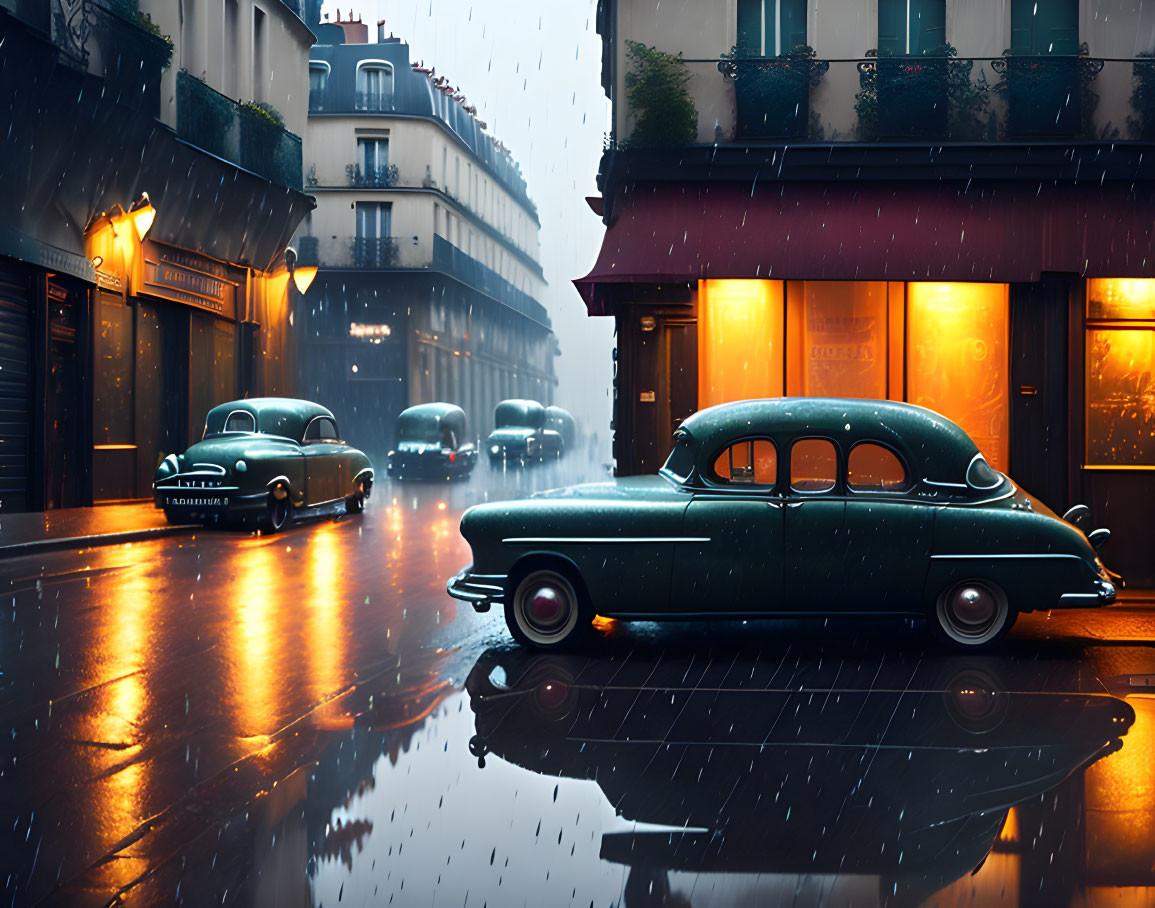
point(1005, 232)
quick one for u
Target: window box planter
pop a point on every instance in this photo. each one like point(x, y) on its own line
point(912, 97)
point(772, 94)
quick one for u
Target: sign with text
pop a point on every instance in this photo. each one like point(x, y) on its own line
point(187, 278)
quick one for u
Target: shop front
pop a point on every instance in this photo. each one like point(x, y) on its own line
point(1047, 366)
point(165, 352)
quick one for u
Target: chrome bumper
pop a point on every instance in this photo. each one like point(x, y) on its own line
point(1104, 595)
point(479, 590)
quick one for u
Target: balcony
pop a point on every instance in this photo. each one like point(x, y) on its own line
point(360, 253)
point(223, 127)
point(373, 101)
point(937, 97)
point(385, 176)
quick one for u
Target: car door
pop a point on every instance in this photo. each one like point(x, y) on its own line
point(733, 565)
point(814, 512)
point(322, 450)
point(853, 542)
point(888, 533)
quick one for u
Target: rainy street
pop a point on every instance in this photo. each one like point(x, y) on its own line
point(308, 718)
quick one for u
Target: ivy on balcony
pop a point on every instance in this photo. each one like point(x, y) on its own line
point(657, 90)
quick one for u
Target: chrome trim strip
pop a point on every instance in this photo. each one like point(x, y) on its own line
point(1080, 596)
point(537, 540)
point(1017, 555)
point(953, 485)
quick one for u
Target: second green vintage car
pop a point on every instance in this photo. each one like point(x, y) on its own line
point(788, 507)
point(261, 460)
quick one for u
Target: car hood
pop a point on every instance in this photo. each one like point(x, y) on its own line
point(634, 488)
point(225, 450)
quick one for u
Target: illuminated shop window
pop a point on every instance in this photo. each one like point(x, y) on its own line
point(837, 338)
point(739, 340)
point(1120, 354)
point(956, 358)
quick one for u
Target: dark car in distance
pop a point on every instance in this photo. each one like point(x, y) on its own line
point(520, 434)
point(431, 444)
point(562, 422)
point(262, 460)
point(788, 507)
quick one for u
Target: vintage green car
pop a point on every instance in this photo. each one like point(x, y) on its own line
point(788, 507)
point(432, 444)
point(262, 460)
point(520, 434)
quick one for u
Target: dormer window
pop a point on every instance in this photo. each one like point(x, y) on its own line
point(318, 79)
point(374, 85)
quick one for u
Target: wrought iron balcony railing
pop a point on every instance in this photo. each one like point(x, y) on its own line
point(382, 177)
point(373, 100)
point(937, 96)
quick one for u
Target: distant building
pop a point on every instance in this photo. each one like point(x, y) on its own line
point(427, 241)
point(841, 205)
point(143, 228)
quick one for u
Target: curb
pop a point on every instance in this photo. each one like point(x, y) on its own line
point(33, 546)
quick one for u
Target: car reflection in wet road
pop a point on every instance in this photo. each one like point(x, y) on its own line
point(242, 719)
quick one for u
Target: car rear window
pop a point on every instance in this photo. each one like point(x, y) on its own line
point(874, 468)
point(751, 462)
point(813, 465)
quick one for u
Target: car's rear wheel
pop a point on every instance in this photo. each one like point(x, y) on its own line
point(972, 613)
point(279, 511)
point(547, 610)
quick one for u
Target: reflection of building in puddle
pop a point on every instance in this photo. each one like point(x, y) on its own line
point(865, 782)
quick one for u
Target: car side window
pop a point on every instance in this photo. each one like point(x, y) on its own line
point(752, 462)
point(240, 421)
point(873, 468)
point(320, 429)
point(813, 465)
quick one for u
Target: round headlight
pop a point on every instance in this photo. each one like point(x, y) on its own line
point(241, 466)
point(493, 449)
point(168, 466)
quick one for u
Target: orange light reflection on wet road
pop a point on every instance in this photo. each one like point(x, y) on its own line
point(326, 644)
point(257, 628)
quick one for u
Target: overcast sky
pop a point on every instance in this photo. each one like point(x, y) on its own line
point(533, 70)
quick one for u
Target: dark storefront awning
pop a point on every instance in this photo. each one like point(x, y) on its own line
point(1004, 231)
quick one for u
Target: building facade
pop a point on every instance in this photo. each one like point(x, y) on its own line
point(914, 201)
point(427, 242)
point(142, 233)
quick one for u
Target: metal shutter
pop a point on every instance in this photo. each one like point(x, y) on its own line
point(15, 391)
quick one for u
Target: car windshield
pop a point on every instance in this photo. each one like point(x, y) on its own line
point(680, 463)
point(425, 429)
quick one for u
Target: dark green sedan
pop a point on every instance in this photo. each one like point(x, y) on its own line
point(262, 460)
point(788, 507)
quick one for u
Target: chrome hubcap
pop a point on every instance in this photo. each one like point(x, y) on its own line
point(973, 607)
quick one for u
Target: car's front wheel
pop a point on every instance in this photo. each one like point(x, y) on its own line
point(971, 614)
point(546, 610)
point(279, 510)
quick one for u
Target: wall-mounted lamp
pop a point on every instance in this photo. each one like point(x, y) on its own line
point(142, 214)
point(97, 261)
point(303, 275)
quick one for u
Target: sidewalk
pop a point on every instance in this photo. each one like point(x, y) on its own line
point(26, 534)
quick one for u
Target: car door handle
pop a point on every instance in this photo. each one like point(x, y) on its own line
point(794, 504)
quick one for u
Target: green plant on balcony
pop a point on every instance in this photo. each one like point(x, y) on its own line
point(930, 94)
point(772, 94)
point(657, 90)
point(261, 110)
point(144, 20)
point(1048, 95)
point(1142, 118)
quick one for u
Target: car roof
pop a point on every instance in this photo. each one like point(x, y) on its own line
point(518, 412)
point(432, 414)
point(936, 447)
point(277, 415)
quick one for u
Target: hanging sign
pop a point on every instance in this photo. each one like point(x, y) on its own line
point(185, 277)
